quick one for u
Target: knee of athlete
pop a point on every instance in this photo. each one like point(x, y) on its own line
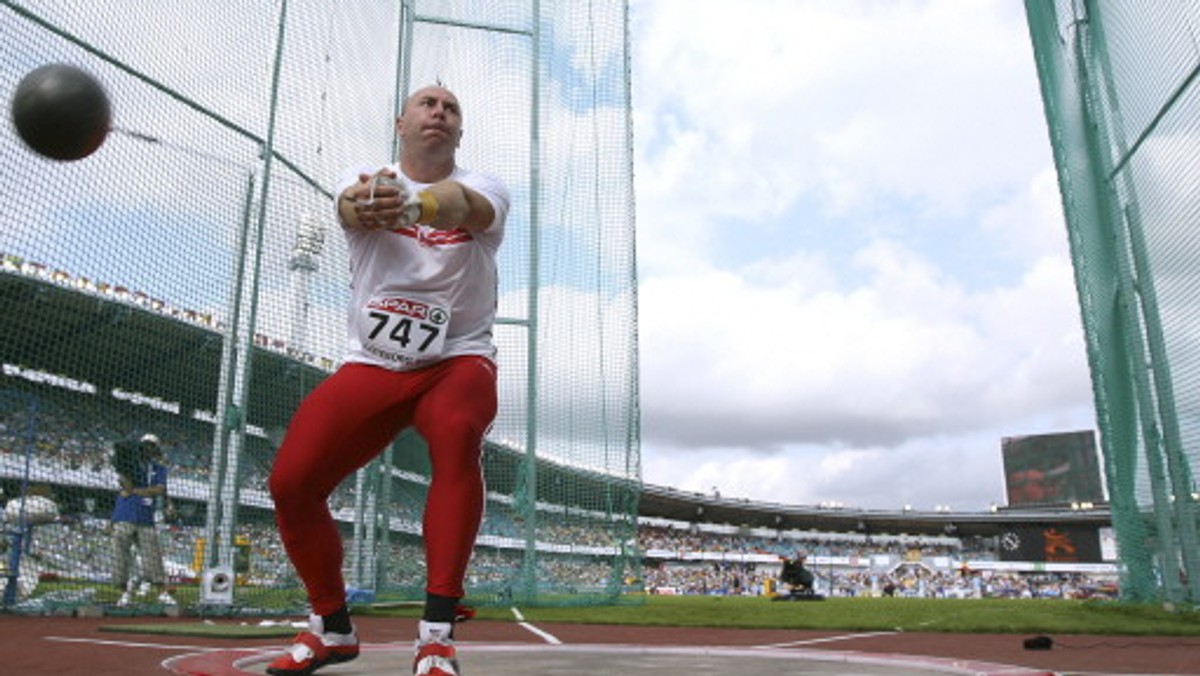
point(284, 488)
point(463, 469)
point(461, 428)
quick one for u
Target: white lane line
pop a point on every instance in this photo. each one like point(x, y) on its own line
point(829, 639)
point(133, 644)
point(544, 635)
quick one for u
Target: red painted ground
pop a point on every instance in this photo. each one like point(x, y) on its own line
point(63, 645)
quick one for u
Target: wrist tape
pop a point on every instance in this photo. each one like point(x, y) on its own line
point(420, 208)
point(427, 206)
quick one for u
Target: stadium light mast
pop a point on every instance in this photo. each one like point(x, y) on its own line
point(305, 261)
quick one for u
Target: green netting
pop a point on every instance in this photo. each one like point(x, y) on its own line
point(1119, 82)
point(188, 280)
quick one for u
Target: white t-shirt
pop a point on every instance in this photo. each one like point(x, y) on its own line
point(419, 294)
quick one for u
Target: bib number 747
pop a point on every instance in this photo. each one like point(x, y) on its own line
point(403, 330)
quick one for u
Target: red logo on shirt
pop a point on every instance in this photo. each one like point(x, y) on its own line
point(400, 306)
point(432, 237)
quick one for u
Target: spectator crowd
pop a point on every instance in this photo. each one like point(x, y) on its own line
point(71, 447)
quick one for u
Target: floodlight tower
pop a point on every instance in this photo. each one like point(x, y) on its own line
point(305, 260)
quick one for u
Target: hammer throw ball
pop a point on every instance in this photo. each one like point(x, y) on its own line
point(61, 112)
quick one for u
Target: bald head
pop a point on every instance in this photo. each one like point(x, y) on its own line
point(429, 127)
point(431, 92)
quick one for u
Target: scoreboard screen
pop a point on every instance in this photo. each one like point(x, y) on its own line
point(1052, 469)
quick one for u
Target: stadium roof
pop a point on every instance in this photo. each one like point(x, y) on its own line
point(56, 329)
point(676, 505)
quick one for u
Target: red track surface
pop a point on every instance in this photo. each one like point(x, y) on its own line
point(64, 645)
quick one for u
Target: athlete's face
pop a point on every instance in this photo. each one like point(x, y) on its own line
point(431, 117)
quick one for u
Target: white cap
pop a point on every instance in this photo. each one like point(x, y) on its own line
point(149, 439)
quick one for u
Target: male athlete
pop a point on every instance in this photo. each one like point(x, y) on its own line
point(423, 235)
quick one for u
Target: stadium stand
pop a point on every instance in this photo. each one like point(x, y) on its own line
point(857, 553)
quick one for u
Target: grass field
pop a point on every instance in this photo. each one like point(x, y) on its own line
point(1017, 616)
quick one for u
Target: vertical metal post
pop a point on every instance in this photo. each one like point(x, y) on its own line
point(232, 425)
point(384, 523)
point(529, 572)
point(227, 412)
point(403, 79)
point(357, 547)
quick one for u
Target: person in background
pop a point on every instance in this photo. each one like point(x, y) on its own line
point(798, 578)
point(142, 474)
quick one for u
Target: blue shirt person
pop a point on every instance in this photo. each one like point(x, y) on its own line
point(142, 473)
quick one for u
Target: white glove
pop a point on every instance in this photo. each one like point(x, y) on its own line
point(411, 210)
point(385, 181)
point(412, 204)
point(405, 217)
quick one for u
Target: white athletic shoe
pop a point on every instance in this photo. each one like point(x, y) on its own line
point(436, 655)
point(313, 649)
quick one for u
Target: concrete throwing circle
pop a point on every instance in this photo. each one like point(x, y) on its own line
point(491, 659)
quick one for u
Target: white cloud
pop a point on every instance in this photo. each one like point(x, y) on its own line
point(850, 106)
point(851, 243)
point(908, 354)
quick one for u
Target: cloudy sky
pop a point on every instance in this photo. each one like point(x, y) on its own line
point(850, 240)
point(850, 236)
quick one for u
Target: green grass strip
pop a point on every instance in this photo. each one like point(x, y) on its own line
point(1003, 616)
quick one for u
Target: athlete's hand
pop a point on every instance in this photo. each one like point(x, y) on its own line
point(379, 200)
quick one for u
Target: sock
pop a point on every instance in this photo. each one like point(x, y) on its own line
point(430, 631)
point(338, 621)
point(440, 608)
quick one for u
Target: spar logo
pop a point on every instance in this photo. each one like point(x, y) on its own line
point(407, 307)
point(401, 306)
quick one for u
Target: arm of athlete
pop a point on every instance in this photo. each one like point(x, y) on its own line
point(459, 207)
point(445, 205)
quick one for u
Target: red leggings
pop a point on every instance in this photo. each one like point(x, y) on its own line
point(349, 419)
